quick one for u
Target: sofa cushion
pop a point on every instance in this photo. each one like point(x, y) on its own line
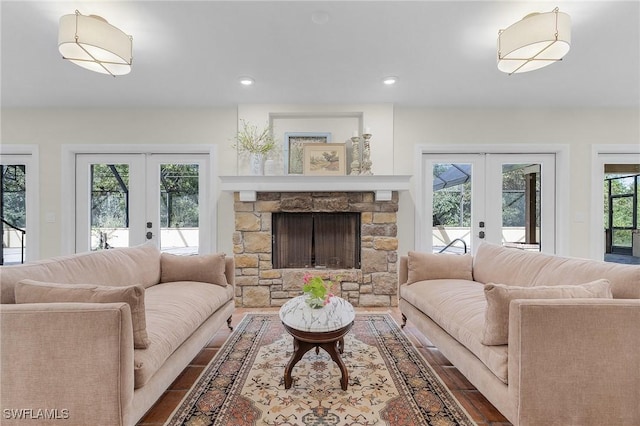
point(496, 330)
point(458, 307)
point(29, 291)
point(434, 266)
point(174, 311)
point(511, 266)
point(115, 267)
point(205, 268)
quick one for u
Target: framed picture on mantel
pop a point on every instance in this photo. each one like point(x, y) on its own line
point(325, 159)
point(293, 149)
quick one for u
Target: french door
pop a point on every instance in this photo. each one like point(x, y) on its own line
point(127, 199)
point(505, 199)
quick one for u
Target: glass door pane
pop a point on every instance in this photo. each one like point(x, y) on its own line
point(110, 210)
point(520, 193)
point(179, 208)
point(451, 218)
point(453, 203)
point(521, 206)
point(13, 212)
point(109, 206)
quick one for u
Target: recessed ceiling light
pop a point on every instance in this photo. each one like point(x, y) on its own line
point(320, 17)
point(246, 81)
point(389, 81)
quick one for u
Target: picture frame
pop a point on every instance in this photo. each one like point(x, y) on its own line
point(293, 149)
point(325, 159)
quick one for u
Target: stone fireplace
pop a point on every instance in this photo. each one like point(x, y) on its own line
point(258, 284)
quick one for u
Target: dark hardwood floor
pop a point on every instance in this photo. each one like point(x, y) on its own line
point(480, 410)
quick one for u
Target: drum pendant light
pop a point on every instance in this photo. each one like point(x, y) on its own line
point(538, 40)
point(92, 43)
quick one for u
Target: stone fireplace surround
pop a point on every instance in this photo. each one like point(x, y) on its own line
point(259, 285)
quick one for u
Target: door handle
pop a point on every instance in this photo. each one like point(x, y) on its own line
point(481, 234)
point(149, 235)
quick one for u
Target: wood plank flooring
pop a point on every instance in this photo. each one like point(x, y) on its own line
point(480, 410)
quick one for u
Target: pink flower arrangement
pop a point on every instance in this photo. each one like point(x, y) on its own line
point(317, 291)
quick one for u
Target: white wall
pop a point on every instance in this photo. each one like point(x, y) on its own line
point(397, 131)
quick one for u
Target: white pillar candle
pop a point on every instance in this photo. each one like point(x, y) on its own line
point(367, 130)
point(355, 134)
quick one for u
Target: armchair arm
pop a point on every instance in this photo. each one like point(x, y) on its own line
point(575, 362)
point(71, 361)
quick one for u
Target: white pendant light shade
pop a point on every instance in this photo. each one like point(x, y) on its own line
point(94, 44)
point(536, 41)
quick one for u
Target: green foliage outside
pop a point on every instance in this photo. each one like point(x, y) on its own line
point(452, 206)
point(179, 196)
point(14, 209)
point(108, 195)
point(621, 189)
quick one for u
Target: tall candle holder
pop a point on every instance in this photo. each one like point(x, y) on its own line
point(355, 163)
point(366, 155)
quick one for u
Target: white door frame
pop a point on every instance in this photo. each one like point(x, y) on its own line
point(561, 152)
point(601, 155)
point(67, 243)
point(29, 156)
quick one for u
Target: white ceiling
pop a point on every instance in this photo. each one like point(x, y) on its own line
point(191, 53)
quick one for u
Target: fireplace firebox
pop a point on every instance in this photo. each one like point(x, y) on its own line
point(316, 240)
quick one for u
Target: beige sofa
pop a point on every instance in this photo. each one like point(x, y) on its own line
point(74, 363)
point(566, 359)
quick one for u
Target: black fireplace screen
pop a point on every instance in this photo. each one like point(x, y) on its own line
point(316, 240)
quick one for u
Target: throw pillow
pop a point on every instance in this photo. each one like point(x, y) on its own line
point(204, 268)
point(433, 266)
point(30, 291)
point(496, 327)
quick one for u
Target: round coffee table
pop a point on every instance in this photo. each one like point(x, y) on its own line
point(317, 328)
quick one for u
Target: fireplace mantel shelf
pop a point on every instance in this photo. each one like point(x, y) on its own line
point(249, 186)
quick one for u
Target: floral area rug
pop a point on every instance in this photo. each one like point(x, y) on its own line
point(390, 383)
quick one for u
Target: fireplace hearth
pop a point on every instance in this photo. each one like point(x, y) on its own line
point(365, 270)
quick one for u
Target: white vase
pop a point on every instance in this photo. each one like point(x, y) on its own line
point(256, 165)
